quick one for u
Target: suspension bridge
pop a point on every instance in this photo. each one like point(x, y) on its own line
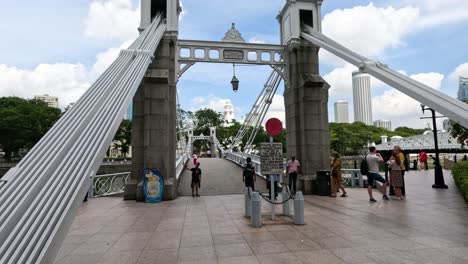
point(40, 197)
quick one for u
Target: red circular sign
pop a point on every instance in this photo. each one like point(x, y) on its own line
point(274, 127)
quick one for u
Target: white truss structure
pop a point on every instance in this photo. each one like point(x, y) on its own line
point(40, 197)
point(255, 117)
point(422, 142)
point(442, 103)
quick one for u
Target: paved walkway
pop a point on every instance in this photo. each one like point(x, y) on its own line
point(430, 226)
point(219, 176)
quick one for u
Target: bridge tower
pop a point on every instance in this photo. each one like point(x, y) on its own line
point(154, 106)
point(306, 93)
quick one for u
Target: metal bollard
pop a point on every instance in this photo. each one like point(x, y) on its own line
point(248, 209)
point(256, 205)
point(286, 204)
point(299, 209)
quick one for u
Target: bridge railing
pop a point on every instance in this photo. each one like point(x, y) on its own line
point(240, 159)
point(108, 184)
point(180, 164)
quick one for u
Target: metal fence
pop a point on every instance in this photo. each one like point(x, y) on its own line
point(109, 184)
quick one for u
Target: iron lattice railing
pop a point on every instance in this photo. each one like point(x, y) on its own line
point(109, 184)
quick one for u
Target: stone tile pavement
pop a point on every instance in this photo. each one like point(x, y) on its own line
point(430, 226)
point(219, 176)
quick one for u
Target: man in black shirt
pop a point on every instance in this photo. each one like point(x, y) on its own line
point(196, 179)
point(248, 175)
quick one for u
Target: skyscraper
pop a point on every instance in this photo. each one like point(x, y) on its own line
point(362, 98)
point(463, 89)
point(341, 112)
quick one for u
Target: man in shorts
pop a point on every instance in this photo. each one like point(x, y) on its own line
point(196, 179)
point(373, 159)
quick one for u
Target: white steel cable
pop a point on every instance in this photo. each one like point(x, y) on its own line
point(133, 79)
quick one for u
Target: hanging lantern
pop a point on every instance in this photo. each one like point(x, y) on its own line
point(234, 81)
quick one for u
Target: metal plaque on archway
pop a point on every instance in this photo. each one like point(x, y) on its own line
point(271, 156)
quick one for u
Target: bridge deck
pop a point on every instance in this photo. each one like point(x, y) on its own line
point(219, 176)
point(429, 227)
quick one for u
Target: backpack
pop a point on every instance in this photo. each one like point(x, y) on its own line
point(364, 166)
point(249, 170)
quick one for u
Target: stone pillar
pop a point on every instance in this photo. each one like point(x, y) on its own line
point(154, 123)
point(306, 103)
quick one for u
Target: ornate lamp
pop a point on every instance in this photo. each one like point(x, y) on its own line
point(234, 81)
point(438, 172)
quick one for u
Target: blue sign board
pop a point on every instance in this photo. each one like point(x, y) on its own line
point(153, 186)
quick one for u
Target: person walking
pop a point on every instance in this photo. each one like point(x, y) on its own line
point(395, 165)
point(422, 160)
point(195, 159)
point(403, 160)
point(373, 159)
point(248, 174)
point(292, 168)
point(196, 179)
point(337, 182)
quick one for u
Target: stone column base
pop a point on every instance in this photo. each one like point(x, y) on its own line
point(134, 191)
point(170, 189)
point(140, 195)
point(130, 189)
point(306, 182)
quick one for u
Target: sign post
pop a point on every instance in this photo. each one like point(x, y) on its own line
point(271, 155)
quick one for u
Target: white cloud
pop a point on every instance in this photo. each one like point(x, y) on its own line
point(67, 81)
point(276, 110)
point(112, 19)
point(255, 40)
point(436, 12)
point(400, 108)
point(431, 79)
point(367, 30)
point(340, 80)
point(211, 102)
point(105, 59)
point(198, 100)
point(461, 70)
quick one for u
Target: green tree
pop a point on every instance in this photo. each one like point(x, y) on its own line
point(459, 132)
point(206, 118)
point(202, 120)
point(23, 123)
point(408, 132)
point(350, 139)
point(123, 137)
point(226, 135)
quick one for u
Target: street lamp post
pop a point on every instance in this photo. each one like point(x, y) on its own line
point(438, 173)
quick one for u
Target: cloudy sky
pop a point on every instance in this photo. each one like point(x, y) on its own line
point(59, 48)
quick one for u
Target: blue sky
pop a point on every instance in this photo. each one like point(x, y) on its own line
point(60, 47)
